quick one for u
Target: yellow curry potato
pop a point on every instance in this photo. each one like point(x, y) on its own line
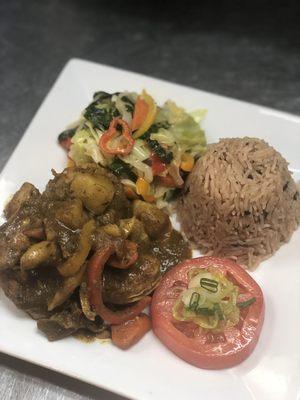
point(156, 221)
point(95, 191)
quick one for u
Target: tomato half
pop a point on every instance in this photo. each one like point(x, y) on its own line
point(200, 347)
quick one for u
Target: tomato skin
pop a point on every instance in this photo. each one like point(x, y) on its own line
point(238, 342)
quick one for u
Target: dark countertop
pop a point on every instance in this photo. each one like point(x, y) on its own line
point(250, 51)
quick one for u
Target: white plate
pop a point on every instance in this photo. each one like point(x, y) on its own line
point(149, 370)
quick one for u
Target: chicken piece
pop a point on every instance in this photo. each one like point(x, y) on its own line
point(19, 198)
point(44, 252)
point(68, 321)
point(130, 285)
point(71, 214)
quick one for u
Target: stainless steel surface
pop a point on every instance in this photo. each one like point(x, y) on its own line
point(20, 380)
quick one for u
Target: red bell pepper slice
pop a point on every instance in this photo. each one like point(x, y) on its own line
point(157, 165)
point(141, 110)
point(94, 283)
point(115, 142)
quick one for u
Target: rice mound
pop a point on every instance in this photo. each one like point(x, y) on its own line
point(240, 201)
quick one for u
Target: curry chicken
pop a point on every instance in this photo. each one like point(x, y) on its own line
point(81, 256)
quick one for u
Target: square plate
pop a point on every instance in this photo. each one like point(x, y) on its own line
point(149, 370)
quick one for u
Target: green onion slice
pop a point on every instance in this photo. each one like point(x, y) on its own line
point(246, 303)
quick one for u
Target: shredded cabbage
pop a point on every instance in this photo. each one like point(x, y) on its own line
point(185, 128)
point(139, 154)
point(164, 137)
point(124, 104)
point(173, 133)
point(85, 148)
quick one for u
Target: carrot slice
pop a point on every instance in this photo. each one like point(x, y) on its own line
point(129, 333)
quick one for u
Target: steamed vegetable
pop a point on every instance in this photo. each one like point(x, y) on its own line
point(153, 148)
point(146, 106)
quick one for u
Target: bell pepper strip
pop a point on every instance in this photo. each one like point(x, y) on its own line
point(129, 333)
point(141, 110)
point(114, 142)
point(68, 286)
point(143, 189)
point(129, 257)
point(157, 165)
point(149, 118)
point(72, 265)
point(95, 287)
point(187, 162)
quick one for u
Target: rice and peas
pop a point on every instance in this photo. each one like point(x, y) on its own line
point(240, 201)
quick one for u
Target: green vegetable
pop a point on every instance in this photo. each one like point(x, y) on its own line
point(219, 311)
point(136, 159)
point(128, 103)
point(205, 311)
point(184, 127)
point(164, 137)
point(125, 105)
point(101, 111)
point(98, 96)
point(194, 301)
point(173, 133)
point(165, 156)
point(209, 301)
point(209, 284)
point(85, 146)
point(122, 170)
point(155, 146)
point(247, 303)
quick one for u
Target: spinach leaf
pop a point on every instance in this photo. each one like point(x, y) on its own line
point(101, 112)
point(122, 170)
point(155, 146)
